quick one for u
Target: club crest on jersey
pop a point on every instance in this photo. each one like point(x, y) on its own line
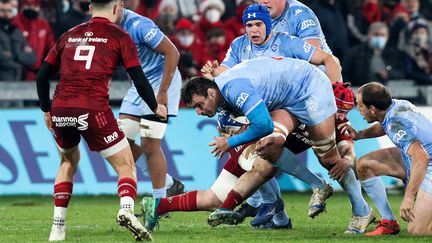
point(274, 47)
point(241, 99)
point(283, 22)
point(307, 23)
point(251, 15)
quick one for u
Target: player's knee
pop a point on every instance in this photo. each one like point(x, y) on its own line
point(68, 167)
point(418, 230)
point(263, 170)
point(363, 169)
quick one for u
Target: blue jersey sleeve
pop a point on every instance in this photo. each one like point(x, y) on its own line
point(241, 94)
point(297, 48)
point(144, 32)
point(261, 125)
point(403, 132)
point(306, 24)
point(232, 56)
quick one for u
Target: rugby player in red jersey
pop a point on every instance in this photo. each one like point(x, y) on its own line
point(86, 57)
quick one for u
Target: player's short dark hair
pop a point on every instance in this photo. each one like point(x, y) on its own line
point(375, 94)
point(101, 3)
point(197, 86)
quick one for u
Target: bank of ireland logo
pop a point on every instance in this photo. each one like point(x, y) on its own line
point(241, 99)
point(251, 15)
point(83, 125)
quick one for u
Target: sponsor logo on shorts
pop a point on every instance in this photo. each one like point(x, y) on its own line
point(111, 138)
point(83, 125)
point(71, 121)
point(307, 23)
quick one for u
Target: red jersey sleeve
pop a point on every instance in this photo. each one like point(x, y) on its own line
point(53, 56)
point(129, 52)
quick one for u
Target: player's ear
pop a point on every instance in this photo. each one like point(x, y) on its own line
point(91, 9)
point(211, 93)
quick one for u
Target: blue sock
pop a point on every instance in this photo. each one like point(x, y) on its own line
point(289, 163)
point(281, 218)
point(376, 191)
point(255, 200)
point(141, 164)
point(275, 186)
point(352, 187)
point(267, 192)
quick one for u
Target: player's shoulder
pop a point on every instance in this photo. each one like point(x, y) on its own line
point(132, 20)
point(240, 40)
point(285, 36)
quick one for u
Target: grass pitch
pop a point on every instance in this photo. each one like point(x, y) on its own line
point(92, 219)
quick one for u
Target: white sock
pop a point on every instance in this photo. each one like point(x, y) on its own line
point(59, 216)
point(127, 203)
point(159, 193)
point(376, 191)
point(255, 200)
point(168, 181)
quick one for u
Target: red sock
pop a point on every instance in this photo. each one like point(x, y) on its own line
point(232, 200)
point(62, 194)
point(183, 202)
point(127, 187)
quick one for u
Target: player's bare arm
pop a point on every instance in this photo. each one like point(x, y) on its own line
point(167, 48)
point(333, 68)
point(373, 131)
point(420, 161)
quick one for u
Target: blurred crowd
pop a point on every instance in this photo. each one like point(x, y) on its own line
point(375, 40)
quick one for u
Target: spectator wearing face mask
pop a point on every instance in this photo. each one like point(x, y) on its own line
point(418, 52)
point(37, 32)
point(191, 49)
point(373, 60)
point(235, 23)
point(15, 52)
point(168, 16)
point(79, 13)
point(210, 18)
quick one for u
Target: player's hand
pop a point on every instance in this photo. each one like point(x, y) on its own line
point(208, 69)
point(340, 168)
point(270, 148)
point(347, 128)
point(221, 146)
point(48, 121)
point(162, 98)
point(161, 112)
point(406, 209)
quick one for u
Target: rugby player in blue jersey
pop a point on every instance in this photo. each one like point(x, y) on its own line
point(410, 161)
point(159, 59)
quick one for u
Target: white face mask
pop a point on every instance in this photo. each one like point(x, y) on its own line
point(186, 40)
point(66, 6)
point(422, 39)
point(14, 12)
point(213, 15)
